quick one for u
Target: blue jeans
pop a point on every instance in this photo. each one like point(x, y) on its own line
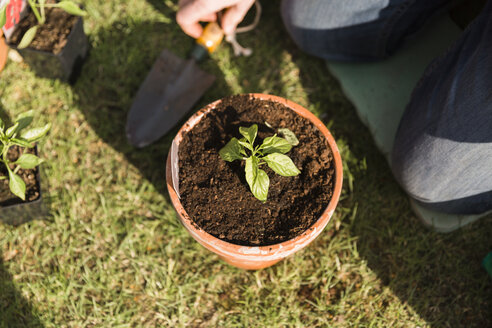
point(442, 154)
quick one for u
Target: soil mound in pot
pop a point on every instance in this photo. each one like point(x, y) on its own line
point(215, 193)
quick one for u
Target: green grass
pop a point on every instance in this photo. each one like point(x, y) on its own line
point(113, 254)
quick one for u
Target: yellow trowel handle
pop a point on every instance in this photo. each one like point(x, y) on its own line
point(209, 41)
point(211, 37)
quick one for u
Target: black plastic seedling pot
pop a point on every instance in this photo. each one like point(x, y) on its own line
point(64, 65)
point(24, 212)
point(17, 214)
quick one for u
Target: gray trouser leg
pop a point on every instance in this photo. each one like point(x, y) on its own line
point(442, 154)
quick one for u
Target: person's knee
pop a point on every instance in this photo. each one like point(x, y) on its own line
point(334, 30)
point(418, 173)
point(443, 177)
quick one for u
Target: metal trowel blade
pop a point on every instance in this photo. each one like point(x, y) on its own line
point(169, 91)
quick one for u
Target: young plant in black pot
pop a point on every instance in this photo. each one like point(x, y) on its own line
point(50, 37)
point(20, 191)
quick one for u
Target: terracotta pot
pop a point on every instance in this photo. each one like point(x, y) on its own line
point(4, 49)
point(250, 257)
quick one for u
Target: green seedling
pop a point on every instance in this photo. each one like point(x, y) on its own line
point(18, 135)
point(270, 152)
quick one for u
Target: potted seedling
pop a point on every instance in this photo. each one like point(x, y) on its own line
point(50, 37)
point(254, 178)
point(270, 152)
point(20, 190)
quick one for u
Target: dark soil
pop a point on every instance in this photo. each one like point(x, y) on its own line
point(29, 177)
point(52, 35)
point(216, 195)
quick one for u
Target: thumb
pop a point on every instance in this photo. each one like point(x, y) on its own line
point(234, 15)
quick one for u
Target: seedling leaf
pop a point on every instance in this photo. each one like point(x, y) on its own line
point(275, 145)
point(28, 161)
point(289, 136)
point(231, 151)
point(10, 131)
point(249, 133)
point(71, 8)
point(21, 142)
point(36, 133)
point(28, 37)
point(260, 187)
point(243, 142)
point(17, 185)
point(281, 164)
point(24, 120)
point(257, 179)
point(3, 16)
point(251, 170)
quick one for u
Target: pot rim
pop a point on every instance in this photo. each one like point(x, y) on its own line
point(258, 253)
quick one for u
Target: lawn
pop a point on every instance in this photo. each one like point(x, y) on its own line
point(113, 254)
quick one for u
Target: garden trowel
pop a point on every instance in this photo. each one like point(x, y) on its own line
point(170, 90)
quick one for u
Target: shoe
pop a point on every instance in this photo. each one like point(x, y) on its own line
point(443, 222)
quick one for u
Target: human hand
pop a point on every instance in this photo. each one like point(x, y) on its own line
point(191, 12)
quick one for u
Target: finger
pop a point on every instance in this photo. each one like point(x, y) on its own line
point(234, 15)
point(194, 30)
point(209, 18)
point(191, 13)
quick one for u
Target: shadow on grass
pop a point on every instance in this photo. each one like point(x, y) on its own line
point(15, 310)
point(120, 58)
